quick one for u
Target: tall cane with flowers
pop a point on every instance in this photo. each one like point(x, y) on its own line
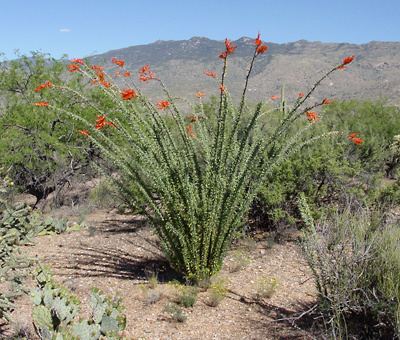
point(195, 180)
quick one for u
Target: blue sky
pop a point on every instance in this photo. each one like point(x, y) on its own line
point(81, 28)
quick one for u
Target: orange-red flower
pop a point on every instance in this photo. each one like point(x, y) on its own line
point(258, 40)
point(229, 49)
point(353, 135)
point(145, 73)
point(102, 122)
point(211, 74)
point(348, 60)
point(163, 104)
point(105, 84)
point(300, 95)
point(118, 62)
point(144, 69)
point(261, 49)
point(73, 68)
point(222, 88)
point(128, 94)
point(357, 140)
point(97, 68)
point(274, 97)
point(78, 61)
point(190, 132)
point(41, 104)
point(46, 84)
point(84, 132)
point(312, 116)
point(127, 74)
point(326, 101)
point(200, 94)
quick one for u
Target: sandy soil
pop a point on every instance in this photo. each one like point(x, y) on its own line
point(117, 253)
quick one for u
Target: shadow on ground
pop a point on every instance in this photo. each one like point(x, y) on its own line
point(111, 262)
point(280, 319)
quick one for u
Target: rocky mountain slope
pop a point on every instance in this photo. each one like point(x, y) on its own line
point(374, 74)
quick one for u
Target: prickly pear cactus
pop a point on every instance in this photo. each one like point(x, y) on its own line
point(15, 229)
point(108, 313)
point(56, 310)
point(55, 307)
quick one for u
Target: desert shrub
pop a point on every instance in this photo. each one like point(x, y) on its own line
point(354, 258)
point(186, 296)
point(150, 291)
point(327, 173)
point(41, 151)
point(105, 195)
point(265, 287)
point(216, 292)
point(238, 261)
point(194, 178)
point(175, 312)
point(389, 195)
point(150, 295)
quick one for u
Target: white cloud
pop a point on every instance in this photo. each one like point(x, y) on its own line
point(64, 30)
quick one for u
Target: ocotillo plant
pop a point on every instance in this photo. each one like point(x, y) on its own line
point(196, 178)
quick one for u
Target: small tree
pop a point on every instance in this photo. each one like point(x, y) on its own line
point(40, 149)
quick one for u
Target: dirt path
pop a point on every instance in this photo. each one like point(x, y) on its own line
point(117, 253)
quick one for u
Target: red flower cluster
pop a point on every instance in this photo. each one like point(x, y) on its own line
point(346, 61)
point(41, 104)
point(355, 139)
point(229, 49)
point(326, 101)
point(78, 61)
point(300, 95)
point(163, 104)
point(260, 47)
point(145, 73)
point(200, 94)
point(46, 84)
point(128, 94)
point(118, 62)
point(211, 74)
point(274, 97)
point(127, 74)
point(99, 70)
point(102, 122)
point(312, 116)
point(73, 67)
point(84, 132)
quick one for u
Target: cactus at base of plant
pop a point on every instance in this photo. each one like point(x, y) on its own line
point(56, 311)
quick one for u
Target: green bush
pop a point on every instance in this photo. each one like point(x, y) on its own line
point(105, 195)
point(327, 173)
point(41, 151)
point(195, 175)
point(354, 256)
point(187, 296)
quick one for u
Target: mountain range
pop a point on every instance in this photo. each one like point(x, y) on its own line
point(375, 73)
